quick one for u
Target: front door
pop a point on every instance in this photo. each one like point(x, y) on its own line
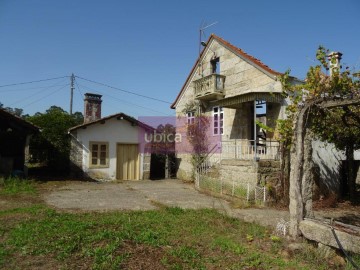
point(127, 162)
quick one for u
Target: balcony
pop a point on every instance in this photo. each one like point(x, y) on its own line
point(211, 87)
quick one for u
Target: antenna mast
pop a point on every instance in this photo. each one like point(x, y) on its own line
point(201, 32)
point(72, 80)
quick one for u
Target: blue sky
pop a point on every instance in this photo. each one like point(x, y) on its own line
point(149, 47)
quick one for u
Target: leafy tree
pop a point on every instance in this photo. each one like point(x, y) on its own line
point(52, 144)
point(328, 106)
point(15, 111)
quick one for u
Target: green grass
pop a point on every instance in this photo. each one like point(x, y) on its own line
point(170, 238)
point(15, 185)
point(185, 239)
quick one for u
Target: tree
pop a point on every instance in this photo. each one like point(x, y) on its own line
point(15, 111)
point(52, 144)
point(324, 107)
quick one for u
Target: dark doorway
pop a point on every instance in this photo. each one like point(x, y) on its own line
point(158, 166)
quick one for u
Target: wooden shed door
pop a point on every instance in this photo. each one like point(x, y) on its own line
point(127, 162)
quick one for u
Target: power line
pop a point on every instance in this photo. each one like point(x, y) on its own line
point(130, 103)
point(57, 90)
point(126, 91)
point(25, 98)
point(31, 88)
point(78, 88)
point(13, 84)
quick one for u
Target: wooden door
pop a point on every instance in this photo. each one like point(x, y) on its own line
point(127, 162)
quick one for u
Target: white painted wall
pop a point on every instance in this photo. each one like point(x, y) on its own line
point(329, 159)
point(112, 131)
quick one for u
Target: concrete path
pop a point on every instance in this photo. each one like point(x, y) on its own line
point(147, 195)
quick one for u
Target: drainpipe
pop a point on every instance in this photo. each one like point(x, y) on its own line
point(255, 135)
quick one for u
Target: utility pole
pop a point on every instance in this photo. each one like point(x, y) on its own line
point(72, 80)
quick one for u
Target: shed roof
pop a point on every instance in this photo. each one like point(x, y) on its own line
point(13, 121)
point(120, 115)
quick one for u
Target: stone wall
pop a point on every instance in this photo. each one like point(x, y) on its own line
point(269, 172)
point(241, 171)
point(76, 157)
point(146, 166)
point(185, 167)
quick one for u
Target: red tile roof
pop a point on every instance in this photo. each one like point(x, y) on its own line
point(236, 50)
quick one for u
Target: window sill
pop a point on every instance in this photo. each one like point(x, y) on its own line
point(99, 167)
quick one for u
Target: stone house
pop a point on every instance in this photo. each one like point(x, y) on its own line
point(15, 135)
point(236, 91)
point(108, 148)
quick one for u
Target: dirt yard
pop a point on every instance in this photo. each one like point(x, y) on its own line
point(146, 195)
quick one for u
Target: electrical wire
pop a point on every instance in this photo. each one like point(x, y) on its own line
point(124, 101)
point(40, 91)
point(44, 80)
point(26, 89)
point(78, 88)
point(126, 91)
point(57, 90)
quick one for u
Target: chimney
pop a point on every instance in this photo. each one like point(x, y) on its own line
point(92, 107)
point(334, 61)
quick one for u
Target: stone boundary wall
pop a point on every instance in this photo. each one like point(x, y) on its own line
point(269, 172)
point(241, 171)
point(76, 158)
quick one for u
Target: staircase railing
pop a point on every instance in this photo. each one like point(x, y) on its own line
point(205, 164)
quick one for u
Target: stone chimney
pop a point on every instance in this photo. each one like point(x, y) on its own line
point(334, 61)
point(92, 107)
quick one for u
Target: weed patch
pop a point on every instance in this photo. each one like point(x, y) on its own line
point(15, 185)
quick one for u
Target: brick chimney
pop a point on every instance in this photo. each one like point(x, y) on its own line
point(92, 107)
point(334, 60)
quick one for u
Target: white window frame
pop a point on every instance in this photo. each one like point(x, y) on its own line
point(190, 117)
point(218, 120)
point(190, 120)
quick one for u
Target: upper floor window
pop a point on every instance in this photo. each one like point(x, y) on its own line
point(190, 118)
point(99, 154)
point(215, 65)
point(218, 114)
point(190, 123)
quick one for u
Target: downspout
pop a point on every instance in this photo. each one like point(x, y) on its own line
point(255, 135)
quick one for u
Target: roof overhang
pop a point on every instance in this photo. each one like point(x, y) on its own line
point(118, 116)
point(235, 101)
point(240, 53)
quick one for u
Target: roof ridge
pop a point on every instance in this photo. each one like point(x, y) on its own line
point(126, 116)
point(249, 57)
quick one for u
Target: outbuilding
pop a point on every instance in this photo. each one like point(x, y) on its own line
point(15, 134)
point(108, 148)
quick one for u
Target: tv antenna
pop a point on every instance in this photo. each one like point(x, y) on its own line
point(203, 26)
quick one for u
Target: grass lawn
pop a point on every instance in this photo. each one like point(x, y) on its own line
point(34, 236)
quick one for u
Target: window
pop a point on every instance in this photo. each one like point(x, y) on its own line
point(215, 65)
point(218, 114)
point(190, 123)
point(190, 118)
point(99, 154)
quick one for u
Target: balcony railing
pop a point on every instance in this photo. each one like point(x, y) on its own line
point(210, 87)
point(245, 150)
